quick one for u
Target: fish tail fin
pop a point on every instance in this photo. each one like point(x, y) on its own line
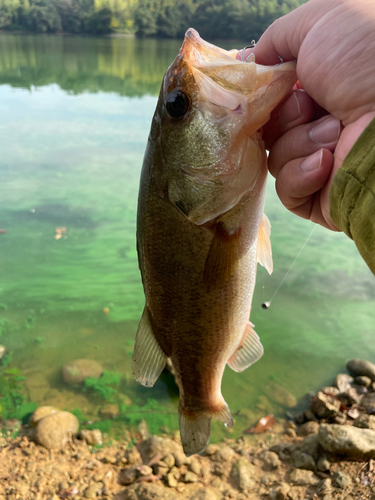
point(195, 429)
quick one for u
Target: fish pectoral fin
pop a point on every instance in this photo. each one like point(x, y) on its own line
point(248, 352)
point(264, 250)
point(195, 429)
point(223, 254)
point(148, 357)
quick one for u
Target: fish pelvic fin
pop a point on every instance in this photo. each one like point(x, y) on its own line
point(195, 429)
point(248, 352)
point(264, 250)
point(148, 357)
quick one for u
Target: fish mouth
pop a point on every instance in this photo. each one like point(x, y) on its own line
point(233, 84)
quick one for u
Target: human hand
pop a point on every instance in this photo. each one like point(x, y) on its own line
point(310, 134)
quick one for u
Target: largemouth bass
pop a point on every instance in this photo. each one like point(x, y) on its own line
point(201, 228)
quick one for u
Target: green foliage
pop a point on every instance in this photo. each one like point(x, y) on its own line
point(152, 412)
point(4, 325)
point(6, 359)
point(103, 386)
point(3, 307)
point(39, 340)
point(12, 401)
point(43, 17)
point(163, 18)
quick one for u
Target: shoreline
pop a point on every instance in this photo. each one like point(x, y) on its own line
point(326, 452)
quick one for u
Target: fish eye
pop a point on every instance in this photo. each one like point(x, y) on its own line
point(177, 104)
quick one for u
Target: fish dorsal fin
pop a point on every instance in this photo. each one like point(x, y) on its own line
point(248, 352)
point(264, 250)
point(148, 357)
point(223, 255)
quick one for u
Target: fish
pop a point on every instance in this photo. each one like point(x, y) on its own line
point(201, 228)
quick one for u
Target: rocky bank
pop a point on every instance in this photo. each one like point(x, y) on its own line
point(327, 452)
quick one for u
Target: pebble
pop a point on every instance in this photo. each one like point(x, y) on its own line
point(303, 460)
point(93, 437)
point(324, 485)
point(133, 456)
point(363, 380)
point(212, 449)
point(302, 477)
point(195, 466)
point(365, 421)
point(128, 476)
point(341, 479)
point(308, 428)
point(144, 470)
point(170, 461)
point(279, 492)
point(270, 459)
point(323, 464)
point(368, 401)
point(171, 480)
point(324, 406)
point(224, 454)
point(343, 382)
point(268, 479)
point(190, 477)
point(242, 474)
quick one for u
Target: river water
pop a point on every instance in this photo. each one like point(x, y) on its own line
point(75, 115)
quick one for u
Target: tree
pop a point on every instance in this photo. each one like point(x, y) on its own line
point(43, 17)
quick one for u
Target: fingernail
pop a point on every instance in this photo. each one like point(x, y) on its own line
point(312, 162)
point(291, 110)
point(326, 132)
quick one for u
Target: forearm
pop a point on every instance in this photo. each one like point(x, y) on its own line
point(352, 195)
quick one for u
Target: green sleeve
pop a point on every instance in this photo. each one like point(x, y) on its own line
point(352, 195)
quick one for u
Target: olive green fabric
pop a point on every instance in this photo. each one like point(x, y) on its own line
point(352, 195)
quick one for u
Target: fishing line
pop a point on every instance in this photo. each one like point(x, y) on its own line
point(266, 305)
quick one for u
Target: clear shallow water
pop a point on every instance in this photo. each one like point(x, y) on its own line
point(75, 115)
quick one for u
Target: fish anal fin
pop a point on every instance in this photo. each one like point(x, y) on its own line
point(248, 352)
point(223, 254)
point(148, 357)
point(264, 250)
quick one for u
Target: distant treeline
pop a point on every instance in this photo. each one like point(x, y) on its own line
point(225, 19)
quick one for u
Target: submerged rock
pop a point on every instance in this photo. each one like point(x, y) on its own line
point(75, 372)
point(359, 367)
point(282, 396)
point(346, 441)
point(56, 429)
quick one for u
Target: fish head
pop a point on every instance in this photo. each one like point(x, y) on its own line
point(206, 131)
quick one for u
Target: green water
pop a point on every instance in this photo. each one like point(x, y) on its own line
point(75, 115)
